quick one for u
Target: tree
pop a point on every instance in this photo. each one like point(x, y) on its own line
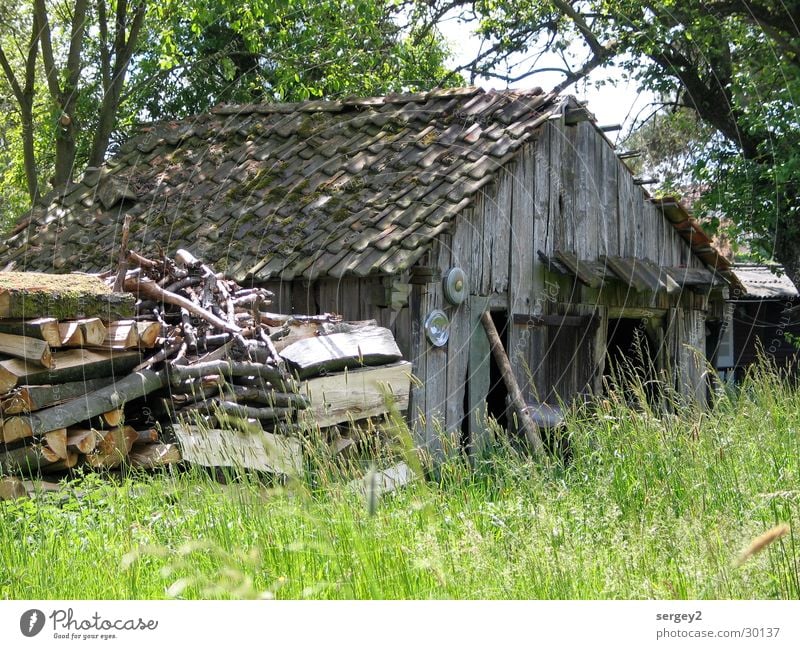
point(80, 74)
point(58, 56)
point(734, 63)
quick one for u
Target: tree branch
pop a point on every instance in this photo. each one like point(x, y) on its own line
point(50, 71)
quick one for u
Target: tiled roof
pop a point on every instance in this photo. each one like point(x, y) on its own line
point(351, 187)
point(763, 282)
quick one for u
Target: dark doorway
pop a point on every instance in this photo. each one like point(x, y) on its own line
point(631, 358)
point(497, 399)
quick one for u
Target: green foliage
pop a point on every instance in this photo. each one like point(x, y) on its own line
point(648, 507)
point(277, 51)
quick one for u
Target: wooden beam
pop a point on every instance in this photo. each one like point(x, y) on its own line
point(525, 422)
point(581, 269)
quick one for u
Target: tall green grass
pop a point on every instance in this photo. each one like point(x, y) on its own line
point(649, 505)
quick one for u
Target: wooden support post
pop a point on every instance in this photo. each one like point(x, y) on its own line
point(527, 425)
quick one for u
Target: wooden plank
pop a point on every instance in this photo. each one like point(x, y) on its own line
point(626, 270)
point(261, 451)
point(526, 425)
point(42, 328)
point(497, 227)
point(377, 483)
point(28, 398)
point(458, 344)
point(37, 295)
point(375, 346)
point(478, 379)
point(356, 394)
point(71, 365)
point(31, 350)
point(585, 272)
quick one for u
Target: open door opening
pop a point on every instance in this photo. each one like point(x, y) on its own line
point(631, 359)
point(497, 399)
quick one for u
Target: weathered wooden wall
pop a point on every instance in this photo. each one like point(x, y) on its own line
point(568, 191)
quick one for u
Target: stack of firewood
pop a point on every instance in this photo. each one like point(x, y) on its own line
point(176, 347)
point(61, 340)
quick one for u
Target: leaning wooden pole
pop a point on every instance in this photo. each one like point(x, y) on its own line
point(527, 424)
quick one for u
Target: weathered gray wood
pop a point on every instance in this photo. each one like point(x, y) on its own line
point(42, 328)
point(28, 398)
point(71, 365)
point(377, 483)
point(524, 421)
point(257, 450)
point(38, 295)
point(31, 350)
point(374, 346)
point(356, 394)
point(478, 379)
point(94, 404)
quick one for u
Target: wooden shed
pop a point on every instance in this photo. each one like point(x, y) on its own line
point(762, 320)
point(415, 209)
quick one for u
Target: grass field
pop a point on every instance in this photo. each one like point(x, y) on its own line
point(647, 507)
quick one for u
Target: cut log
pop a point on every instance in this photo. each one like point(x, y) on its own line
point(94, 404)
point(152, 456)
point(85, 332)
point(261, 451)
point(112, 448)
point(30, 350)
point(217, 407)
point(25, 459)
point(518, 404)
point(113, 417)
point(148, 333)
point(356, 394)
point(71, 334)
point(123, 334)
point(264, 394)
point(37, 295)
point(369, 346)
point(41, 328)
point(28, 398)
point(226, 368)
point(70, 462)
point(147, 436)
point(56, 441)
point(15, 428)
point(12, 488)
point(70, 365)
point(82, 441)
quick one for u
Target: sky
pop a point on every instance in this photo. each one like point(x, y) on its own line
point(612, 103)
